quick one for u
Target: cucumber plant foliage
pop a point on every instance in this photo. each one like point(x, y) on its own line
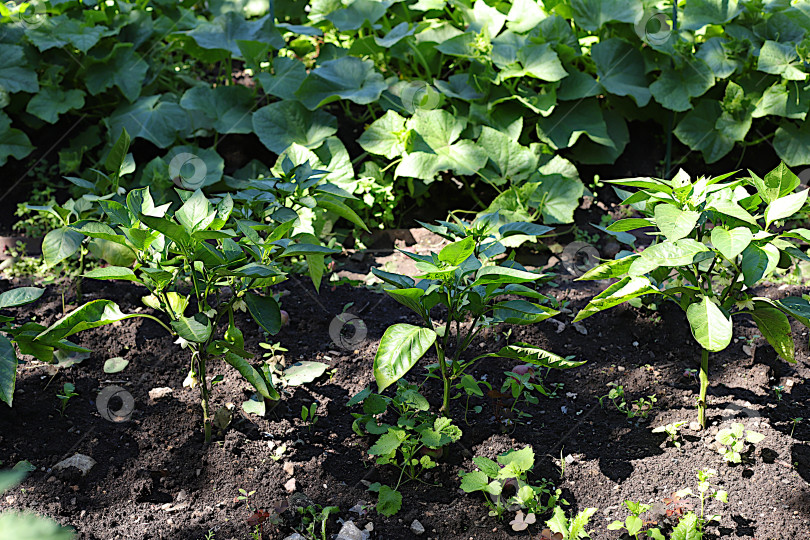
point(474, 291)
point(715, 239)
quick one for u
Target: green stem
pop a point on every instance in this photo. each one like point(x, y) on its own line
point(704, 385)
point(205, 396)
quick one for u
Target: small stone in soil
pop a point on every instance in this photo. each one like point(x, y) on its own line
point(290, 485)
point(417, 528)
point(349, 531)
point(157, 393)
point(289, 468)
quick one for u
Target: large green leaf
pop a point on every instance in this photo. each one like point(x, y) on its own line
point(620, 68)
point(785, 207)
point(344, 78)
point(62, 30)
point(731, 242)
point(283, 123)
point(678, 253)
point(623, 290)
point(510, 161)
point(20, 296)
point(286, 79)
point(112, 272)
point(719, 58)
point(16, 74)
point(710, 326)
point(50, 102)
point(523, 352)
point(224, 32)
point(674, 222)
point(386, 136)
point(8, 370)
point(357, 13)
point(59, 244)
point(570, 120)
point(591, 15)
point(265, 311)
point(535, 60)
point(675, 87)
point(780, 59)
point(699, 13)
point(401, 346)
point(13, 142)
point(791, 142)
point(227, 109)
point(196, 329)
point(758, 262)
point(775, 327)
point(159, 122)
point(252, 375)
point(790, 99)
point(91, 315)
point(123, 67)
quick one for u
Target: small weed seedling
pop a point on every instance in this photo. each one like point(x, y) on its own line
point(733, 439)
point(314, 518)
point(561, 528)
point(795, 421)
point(778, 391)
point(68, 391)
point(639, 408)
point(470, 387)
point(715, 239)
point(506, 486)
point(411, 445)
point(672, 431)
point(691, 525)
point(633, 523)
point(308, 415)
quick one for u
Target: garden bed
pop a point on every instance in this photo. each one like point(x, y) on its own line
point(154, 477)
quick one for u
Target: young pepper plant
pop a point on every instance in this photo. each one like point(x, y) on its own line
point(716, 239)
point(201, 253)
point(474, 291)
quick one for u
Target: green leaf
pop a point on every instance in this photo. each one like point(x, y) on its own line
point(516, 463)
point(30, 526)
point(717, 55)
point(780, 59)
point(521, 312)
point(710, 326)
point(558, 522)
point(253, 376)
point(112, 272)
point(699, 13)
point(197, 213)
point(401, 346)
point(503, 274)
point(357, 13)
point(675, 87)
point(475, 481)
point(13, 142)
point(791, 142)
point(620, 68)
point(196, 329)
point(20, 296)
point(687, 528)
point(623, 290)
point(609, 269)
point(59, 244)
point(757, 263)
point(730, 243)
point(511, 161)
point(226, 109)
point(785, 207)
point(570, 120)
point(457, 252)
point(386, 136)
point(115, 365)
point(50, 102)
point(678, 253)
point(389, 501)
point(283, 123)
point(634, 525)
point(61, 31)
point(16, 74)
point(91, 315)
point(674, 222)
point(333, 204)
point(775, 327)
point(591, 15)
point(344, 78)
point(579, 522)
point(304, 372)
point(778, 183)
point(159, 122)
point(224, 32)
point(523, 352)
point(8, 370)
point(265, 311)
point(123, 68)
point(117, 156)
point(286, 79)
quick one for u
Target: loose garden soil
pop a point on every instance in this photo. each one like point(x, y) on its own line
point(155, 478)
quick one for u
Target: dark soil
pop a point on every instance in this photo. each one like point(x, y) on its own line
point(155, 478)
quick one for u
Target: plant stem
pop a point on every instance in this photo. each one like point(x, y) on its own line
point(704, 385)
point(445, 380)
point(204, 394)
